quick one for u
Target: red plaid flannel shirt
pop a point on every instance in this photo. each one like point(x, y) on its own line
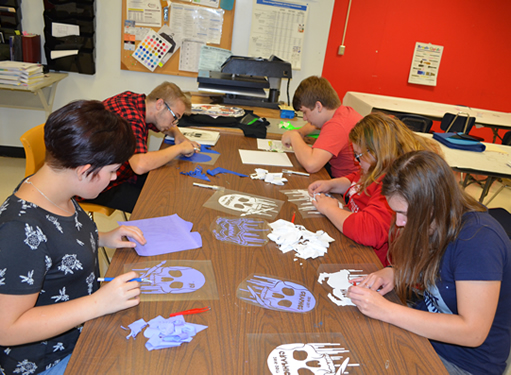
point(131, 107)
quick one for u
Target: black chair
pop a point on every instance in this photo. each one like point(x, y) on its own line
point(506, 182)
point(459, 123)
point(416, 123)
point(503, 217)
point(506, 139)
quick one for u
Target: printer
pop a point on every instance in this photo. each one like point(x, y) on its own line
point(247, 81)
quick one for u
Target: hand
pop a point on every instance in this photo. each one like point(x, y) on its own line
point(181, 138)
point(118, 294)
point(320, 186)
point(324, 203)
point(381, 281)
point(370, 302)
point(289, 136)
point(115, 238)
point(187, 148)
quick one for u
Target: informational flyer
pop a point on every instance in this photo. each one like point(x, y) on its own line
point(212, 58)
point(278, 28)
point(144, 12)
point(208, 3)
point(425, 64)
point(197, 23)
point(190, 54)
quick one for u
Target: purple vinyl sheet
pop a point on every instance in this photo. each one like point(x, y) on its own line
point(166, 234)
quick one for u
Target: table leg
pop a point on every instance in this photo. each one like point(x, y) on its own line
point(486, 188)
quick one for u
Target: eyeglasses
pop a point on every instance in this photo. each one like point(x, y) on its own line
point(358, 156)
point(176, 119)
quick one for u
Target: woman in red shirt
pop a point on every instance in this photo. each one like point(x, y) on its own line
point(377, 140)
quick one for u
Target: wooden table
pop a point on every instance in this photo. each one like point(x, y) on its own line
point(223, 348)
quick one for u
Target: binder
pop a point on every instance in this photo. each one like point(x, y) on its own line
point(31, 45)
point(16, 48)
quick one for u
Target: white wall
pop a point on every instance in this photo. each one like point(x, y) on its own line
point(110, 79)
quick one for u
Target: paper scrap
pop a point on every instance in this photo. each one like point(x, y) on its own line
point(340, 283)
point(165, 333)
point(272, 178)
point(307, 244)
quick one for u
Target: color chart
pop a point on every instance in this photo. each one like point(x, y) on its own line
point(151, 50)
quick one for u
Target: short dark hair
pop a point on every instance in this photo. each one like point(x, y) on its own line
point(84, 132)
point(315, 89)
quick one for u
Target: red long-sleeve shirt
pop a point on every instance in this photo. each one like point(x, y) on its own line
point(370, 223)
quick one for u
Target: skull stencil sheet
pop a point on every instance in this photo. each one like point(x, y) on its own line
point(242, 204)
point(316, 358)
point(248, 205)
point(171, 279)
point(276, 294)
point(241, 231)
point(340, 283)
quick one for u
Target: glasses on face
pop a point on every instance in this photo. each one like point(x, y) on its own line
point(358, 156)
point(176, 119)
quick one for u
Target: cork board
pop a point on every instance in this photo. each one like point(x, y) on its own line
point(171, 67)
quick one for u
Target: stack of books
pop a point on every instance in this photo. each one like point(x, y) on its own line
point(19, 73)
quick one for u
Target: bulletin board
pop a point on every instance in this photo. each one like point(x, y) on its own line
point(171, 67)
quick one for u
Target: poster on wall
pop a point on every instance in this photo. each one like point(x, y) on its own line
point(425, 64)
point(278, 28)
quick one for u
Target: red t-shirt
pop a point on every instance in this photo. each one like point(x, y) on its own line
point(131, 107)
point(334, 138)
point(370, 223)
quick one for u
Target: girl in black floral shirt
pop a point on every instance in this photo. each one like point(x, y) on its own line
point(48, 244)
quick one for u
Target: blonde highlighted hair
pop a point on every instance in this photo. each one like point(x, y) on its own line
point(170, 93)
point(386, 139)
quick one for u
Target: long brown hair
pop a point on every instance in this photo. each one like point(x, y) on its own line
point(436, 204)
point(386, 138)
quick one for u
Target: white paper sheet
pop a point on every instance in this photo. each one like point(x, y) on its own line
point(144, 12)
point(277, 159)
point(59, 30)
point(278, 28)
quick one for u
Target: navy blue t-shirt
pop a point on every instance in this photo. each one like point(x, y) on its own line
point(482, 252)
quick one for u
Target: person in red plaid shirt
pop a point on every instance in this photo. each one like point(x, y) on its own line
point(159, 111)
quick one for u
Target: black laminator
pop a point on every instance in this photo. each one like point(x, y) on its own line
point(243, 80)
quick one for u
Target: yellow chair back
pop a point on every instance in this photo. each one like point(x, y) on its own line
point(35, 152)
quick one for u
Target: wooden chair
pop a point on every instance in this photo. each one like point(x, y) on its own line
point(35, 152)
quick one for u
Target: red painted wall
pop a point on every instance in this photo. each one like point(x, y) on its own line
point(475, 69)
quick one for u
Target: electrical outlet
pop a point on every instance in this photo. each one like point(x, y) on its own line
point(341, 49)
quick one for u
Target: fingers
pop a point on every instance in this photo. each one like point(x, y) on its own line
point(125, 277)
point(134, 233)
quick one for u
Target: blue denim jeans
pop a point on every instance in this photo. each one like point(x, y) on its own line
point(452, 369)
point(59, 369)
